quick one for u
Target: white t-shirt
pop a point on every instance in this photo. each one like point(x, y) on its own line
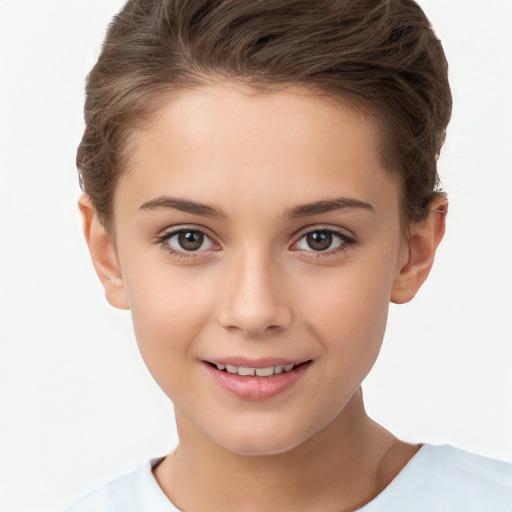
point(436, 479)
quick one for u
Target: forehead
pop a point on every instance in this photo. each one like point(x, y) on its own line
point(220, 143)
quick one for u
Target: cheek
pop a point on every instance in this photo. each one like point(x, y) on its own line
point(169, 309)
point(349, 314)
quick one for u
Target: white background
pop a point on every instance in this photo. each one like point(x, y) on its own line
point(78, 407)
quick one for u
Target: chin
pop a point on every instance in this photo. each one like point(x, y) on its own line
point(252, 448)
point(262, 442)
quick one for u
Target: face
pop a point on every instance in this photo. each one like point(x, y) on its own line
point(259, 241)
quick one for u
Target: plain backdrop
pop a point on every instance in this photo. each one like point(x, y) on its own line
point(78, 407)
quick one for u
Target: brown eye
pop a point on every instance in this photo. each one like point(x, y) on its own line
point(190, 240)
point(322, 240)
point(319, 240)
point(187, 240)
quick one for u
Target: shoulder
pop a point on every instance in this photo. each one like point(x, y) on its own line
point(116, 495)
point(447, 479)
point(474, 474)
point(137, 491)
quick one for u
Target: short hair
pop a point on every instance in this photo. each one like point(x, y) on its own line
point(382, 56)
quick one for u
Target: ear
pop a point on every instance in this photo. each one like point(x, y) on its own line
point(424, 238)
point(103, 255)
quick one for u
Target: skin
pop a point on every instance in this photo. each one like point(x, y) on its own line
point(257, 289)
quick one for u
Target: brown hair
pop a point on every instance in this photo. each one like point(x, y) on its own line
point(379, 54)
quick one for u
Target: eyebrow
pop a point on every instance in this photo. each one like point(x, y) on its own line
point(329, 205)
point(184, 205)
point(304, 210)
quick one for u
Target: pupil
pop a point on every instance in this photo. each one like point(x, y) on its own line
point(190, 240)
point(319, 240)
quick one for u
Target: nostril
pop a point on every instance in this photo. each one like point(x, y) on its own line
point(253, 300)
point(254, 330)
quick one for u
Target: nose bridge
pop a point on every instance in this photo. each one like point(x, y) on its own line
point(253, 299)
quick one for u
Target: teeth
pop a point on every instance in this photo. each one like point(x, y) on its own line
point(242, 370)
point(259, 372)
point(265, 372)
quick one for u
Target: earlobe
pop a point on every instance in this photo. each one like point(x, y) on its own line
point(424, 239)
point(103, 255)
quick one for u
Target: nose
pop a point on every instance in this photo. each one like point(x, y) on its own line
point(253, 299)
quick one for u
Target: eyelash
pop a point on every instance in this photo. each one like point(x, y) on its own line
point(163, 241)
point(345, 242)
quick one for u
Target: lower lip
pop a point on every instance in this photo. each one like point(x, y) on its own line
point(257, 388)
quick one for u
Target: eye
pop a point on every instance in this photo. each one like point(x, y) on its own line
point(186, 240)
point(322, 240)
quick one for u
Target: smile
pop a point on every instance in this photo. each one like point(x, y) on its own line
point(245, 371)
point(261, 382)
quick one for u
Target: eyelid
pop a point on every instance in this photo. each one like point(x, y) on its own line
point(347, 239)
point(179, 228)
point(168, 233)
point(337, 230)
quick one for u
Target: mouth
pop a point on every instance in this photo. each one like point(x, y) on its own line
point(256, 381)
point(249, 371)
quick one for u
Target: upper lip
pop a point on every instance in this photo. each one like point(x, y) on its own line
point(263, 362)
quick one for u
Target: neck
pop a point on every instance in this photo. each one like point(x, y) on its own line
point(345, 465)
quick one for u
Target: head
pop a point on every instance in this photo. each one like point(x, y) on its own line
point(260, 179)
point(380, 56)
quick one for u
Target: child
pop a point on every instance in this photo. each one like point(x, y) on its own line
point(260, 182)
